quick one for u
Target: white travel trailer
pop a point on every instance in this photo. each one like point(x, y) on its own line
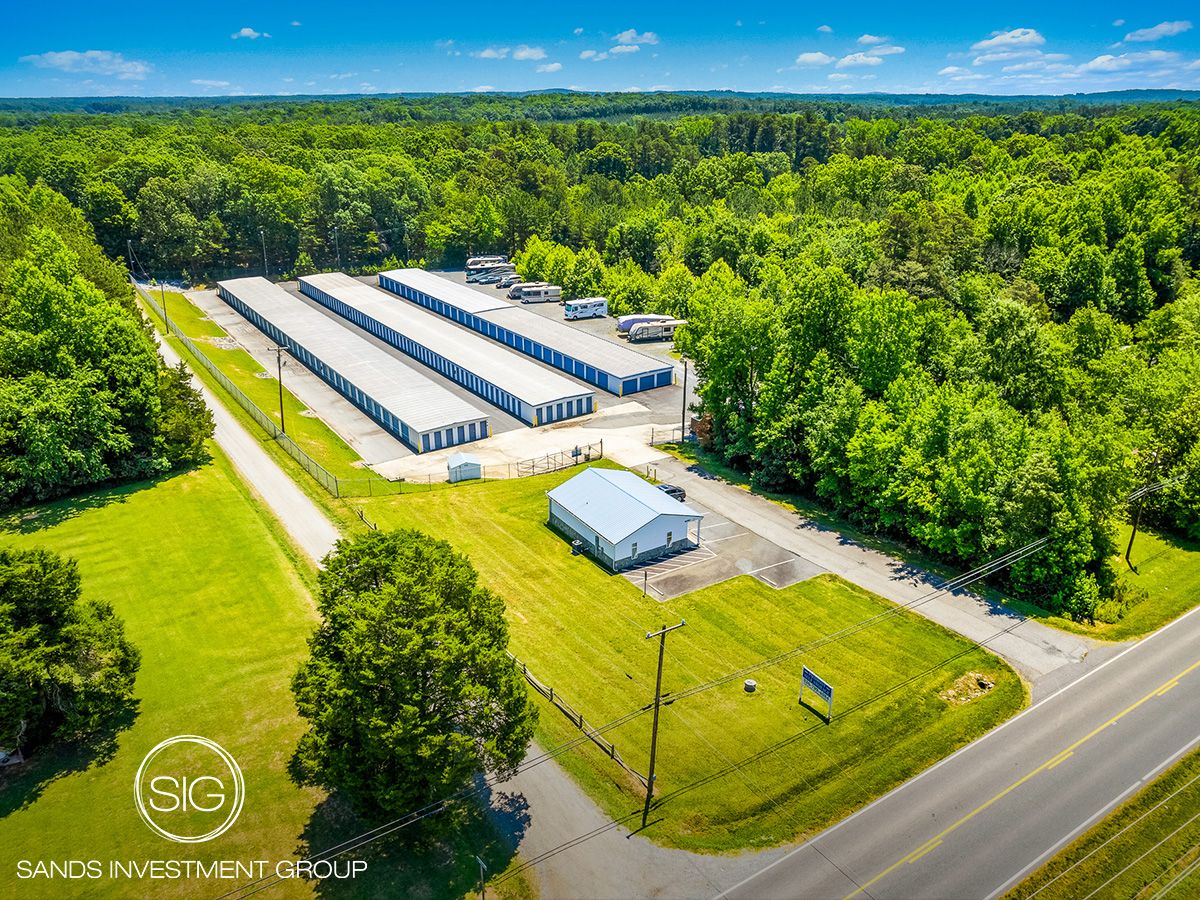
point(545, 294)
point(475, 262)
point(515, 291)
point(587, 308)
point(654, 331)
point(624, 323)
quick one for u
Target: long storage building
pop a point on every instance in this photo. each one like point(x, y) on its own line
point(422, 414)
point(527, 391)
point(607, 365)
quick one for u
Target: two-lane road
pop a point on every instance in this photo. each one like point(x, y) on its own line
point(975, 824)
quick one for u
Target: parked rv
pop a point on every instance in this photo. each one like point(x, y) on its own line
point(546, 293)
point(654, 331)
point(587, 308)
point(624, 323)
point(517, 289)
point(497, 269)
point(475, 262)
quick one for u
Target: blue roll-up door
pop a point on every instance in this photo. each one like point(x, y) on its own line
point(591, 374)
point(559, 410)
point(629, 386)
point(664, 378)
point(647, 382)
point(462, 433)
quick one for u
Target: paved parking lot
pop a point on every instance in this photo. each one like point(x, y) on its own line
point(726, 550)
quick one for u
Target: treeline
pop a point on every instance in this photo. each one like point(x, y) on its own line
point(968, 332)
point(84, 398)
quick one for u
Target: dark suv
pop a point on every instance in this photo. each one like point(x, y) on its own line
point(672, 491)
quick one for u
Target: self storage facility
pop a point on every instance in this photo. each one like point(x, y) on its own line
point(529, 392)
point(607, 365)
point(422, 414)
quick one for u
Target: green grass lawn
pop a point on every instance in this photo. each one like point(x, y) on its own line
point(220, 611)
point(1154, 823)
point(582, 631)
point(1165, 567)
point(312, 435)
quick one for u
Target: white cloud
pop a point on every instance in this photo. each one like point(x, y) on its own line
point(625, 48)
point(579, 31)
point(491, 53)
point(885, 51)
point(98, 62)
point(813, 59)
point(954, 70)
point(1106, 63)
point(248, 33)
point(871, 39)
point(207, 83)
point(1018, 37)
point(344, 75)
point(661, 87)
point(632, 37)
point(289, 79)
point(859, 59)
point(295, 23)
point(1005, 55)
point(483, 89)
point(1193, 65)
point(550, 67)
point(527, 52)
point(443, 44)
point(1161, 30)
point(1118, 23)
point(587, 54)
point(825, 29)
point(738, 23)
point(839, 76)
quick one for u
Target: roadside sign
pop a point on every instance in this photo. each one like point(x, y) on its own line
point(819, 687)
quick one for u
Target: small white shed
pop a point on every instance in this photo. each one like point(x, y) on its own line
point(622, 519)
point(464, 467)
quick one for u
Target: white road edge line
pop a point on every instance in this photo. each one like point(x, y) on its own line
point(771, 566)
point(969, 746)
point(1104, 810)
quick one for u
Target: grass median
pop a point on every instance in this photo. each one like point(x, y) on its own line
point(735, 769)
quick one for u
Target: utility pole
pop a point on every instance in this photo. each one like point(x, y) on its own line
point(482, 869)
point(263, 237)
point(661, 634)
point(280, 362)
point(337, 247)
point(1137, 518)
point(683, 415)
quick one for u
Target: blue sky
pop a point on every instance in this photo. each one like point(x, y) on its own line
point(219, 48)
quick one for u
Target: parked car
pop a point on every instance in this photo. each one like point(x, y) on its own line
point(508, 280)
point(671, 490)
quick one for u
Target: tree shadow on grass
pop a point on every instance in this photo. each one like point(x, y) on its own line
point(21, 785)
point(433, 859)
point(39, 517)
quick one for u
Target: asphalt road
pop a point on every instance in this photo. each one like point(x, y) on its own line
point(977, 823)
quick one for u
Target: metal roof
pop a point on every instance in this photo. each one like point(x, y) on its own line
point(616, 503)
point(462, 459)
point(607, 356)
point(506, 369)
point(420, 403)
point(457, 295)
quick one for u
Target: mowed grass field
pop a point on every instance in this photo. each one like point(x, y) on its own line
point(1149, 845)
point(735, 769)
point(221, 613)
point(312, 435)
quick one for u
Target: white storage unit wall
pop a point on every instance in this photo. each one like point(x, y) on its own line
point(525, 390)
point(422, 414)
point(610, 366)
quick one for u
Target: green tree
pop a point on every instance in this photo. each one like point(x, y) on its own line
point(65, 664)
point(408, 691)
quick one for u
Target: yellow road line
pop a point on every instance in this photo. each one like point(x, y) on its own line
point(1049, 764)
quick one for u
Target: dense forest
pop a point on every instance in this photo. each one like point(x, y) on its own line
point(967, 330)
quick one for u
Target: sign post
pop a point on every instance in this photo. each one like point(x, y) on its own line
point(819, 687)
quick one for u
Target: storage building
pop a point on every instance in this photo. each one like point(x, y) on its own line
point(608, 365)
point(464, 467)
point(525, 390)
point(422, 414)
point(622, 519)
